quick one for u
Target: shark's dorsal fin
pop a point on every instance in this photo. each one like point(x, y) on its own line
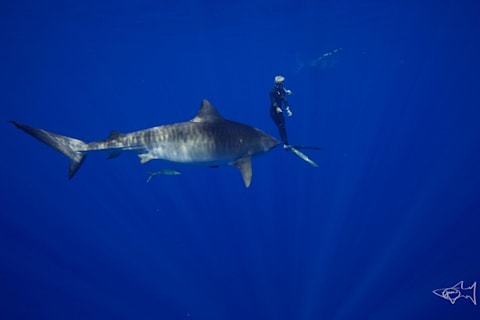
point(115, 134)
point(245, 167)
point(207, 112)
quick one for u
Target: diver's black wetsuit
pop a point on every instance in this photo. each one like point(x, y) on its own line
point(278, 95)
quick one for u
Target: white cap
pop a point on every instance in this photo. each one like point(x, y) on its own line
point(279, 79)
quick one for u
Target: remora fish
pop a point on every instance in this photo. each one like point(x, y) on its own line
point(164, 172)
point(208, 139)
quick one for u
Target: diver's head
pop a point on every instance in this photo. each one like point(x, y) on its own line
point(279, 81)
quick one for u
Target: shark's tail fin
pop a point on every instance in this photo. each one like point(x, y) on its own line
point(72, 148)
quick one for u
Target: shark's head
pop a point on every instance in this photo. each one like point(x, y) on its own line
point(258, 141)
point(265, 143)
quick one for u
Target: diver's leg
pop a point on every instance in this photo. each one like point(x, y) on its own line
point(279, 120)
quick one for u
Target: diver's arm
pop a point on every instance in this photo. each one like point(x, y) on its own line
point(287, 105)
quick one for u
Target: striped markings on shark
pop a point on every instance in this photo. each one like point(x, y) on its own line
point(208, 139)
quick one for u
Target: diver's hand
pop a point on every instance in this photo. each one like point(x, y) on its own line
point(279, 110)
point(288, 91)
point(289, 112)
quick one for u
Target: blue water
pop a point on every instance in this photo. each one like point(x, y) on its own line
point(390, 214)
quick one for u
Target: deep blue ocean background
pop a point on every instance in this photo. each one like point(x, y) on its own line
point(390, 214)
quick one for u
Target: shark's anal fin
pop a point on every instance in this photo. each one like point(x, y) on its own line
point(245, 167)
point(114, 154)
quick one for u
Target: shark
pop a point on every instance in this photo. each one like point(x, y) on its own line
point(208, 139)
point(322, 62)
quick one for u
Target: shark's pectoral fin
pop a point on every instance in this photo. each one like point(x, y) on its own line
point(245, 167)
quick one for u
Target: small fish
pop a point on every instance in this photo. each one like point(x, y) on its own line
point(165, 172)
point(458, 291)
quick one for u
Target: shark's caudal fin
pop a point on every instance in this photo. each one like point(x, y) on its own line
point(70, 147)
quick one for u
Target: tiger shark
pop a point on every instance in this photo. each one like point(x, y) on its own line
point(208, 139)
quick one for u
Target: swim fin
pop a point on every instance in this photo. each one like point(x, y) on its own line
point(307, 147)
point(303, 156)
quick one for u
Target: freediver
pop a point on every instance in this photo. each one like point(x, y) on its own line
point(278, 98)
